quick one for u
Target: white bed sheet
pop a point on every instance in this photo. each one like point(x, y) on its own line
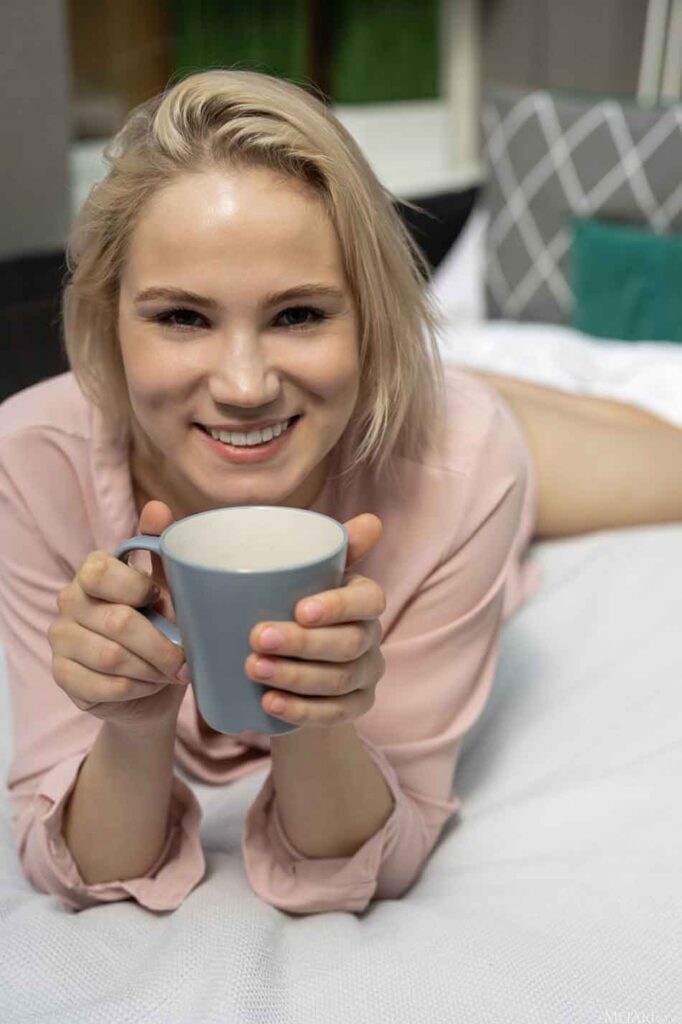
point(554, 897)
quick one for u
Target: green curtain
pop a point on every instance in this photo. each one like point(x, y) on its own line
point(259, 35)
point(381, 50)
point(384, 50)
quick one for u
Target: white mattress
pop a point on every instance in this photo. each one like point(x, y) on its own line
point(555, 897)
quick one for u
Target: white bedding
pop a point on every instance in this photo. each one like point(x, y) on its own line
point(555, 897)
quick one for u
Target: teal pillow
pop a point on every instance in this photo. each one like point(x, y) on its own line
point(626, 282)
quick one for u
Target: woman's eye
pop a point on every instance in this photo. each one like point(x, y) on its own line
point(317, 315)
point(176, 318)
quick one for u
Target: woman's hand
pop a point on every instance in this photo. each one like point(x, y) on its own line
point(106, 655)
point(326, 671)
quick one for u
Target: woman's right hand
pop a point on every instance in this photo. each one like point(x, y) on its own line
point(106, 655)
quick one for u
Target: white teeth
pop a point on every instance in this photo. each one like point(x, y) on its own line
point(253, 437)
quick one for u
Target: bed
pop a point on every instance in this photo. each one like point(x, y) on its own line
point(554, 895)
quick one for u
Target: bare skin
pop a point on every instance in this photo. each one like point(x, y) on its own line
point(600, 464)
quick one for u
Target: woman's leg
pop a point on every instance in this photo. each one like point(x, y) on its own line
point(600, 464)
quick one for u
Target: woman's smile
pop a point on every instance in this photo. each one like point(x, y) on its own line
point(243, 453)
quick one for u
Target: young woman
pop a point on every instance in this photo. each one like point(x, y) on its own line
point(241, 266)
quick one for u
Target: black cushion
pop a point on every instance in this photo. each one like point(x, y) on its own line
point(30, 293)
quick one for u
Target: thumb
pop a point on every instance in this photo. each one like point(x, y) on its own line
point(155, 517)
point(364, 531)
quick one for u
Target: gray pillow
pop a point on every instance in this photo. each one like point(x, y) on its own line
point(550, 156)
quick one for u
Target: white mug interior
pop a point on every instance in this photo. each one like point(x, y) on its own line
point(253, 538)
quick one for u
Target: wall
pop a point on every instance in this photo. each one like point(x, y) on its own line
point(34, 127)
point(587, 45)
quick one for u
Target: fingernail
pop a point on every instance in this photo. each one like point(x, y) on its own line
point(312, 611)
point(270, 638)
point(183, 674)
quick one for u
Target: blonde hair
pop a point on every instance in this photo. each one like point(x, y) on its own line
point(250, 119)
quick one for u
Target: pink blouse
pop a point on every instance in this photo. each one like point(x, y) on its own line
point(450, 562)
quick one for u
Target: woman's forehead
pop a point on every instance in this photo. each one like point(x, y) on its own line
point(250, 196)
point(231, 226)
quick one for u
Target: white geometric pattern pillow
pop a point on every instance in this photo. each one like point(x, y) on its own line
point(550, 156)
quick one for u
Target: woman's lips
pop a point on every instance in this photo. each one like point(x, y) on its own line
point(246, 453)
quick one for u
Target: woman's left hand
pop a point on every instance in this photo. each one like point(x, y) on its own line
point(326, 671)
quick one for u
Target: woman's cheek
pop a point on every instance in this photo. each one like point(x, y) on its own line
point(158, 380)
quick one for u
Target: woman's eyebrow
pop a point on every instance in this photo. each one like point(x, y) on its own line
point(180, 295)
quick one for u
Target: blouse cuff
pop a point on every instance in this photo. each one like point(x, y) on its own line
point(179, 867)
point(284, 877)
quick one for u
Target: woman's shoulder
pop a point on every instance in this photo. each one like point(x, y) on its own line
point(432, 506)
point(480, 457)
point(55, 405)
point(48, 441)
point(45, 434)
point(476, 420)
point(481, 450)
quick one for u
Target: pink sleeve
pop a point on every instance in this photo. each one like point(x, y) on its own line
point(48, 863)
point(51, 736)
point(440, 659)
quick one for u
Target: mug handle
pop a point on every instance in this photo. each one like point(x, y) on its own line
point(150, 542)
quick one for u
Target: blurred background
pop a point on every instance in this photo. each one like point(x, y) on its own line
point(405, 77)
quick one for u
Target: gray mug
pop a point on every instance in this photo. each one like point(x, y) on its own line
point(227, 570)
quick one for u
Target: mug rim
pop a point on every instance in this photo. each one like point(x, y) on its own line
point(252, 572)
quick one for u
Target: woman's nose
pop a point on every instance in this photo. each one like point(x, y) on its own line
point(243, 374)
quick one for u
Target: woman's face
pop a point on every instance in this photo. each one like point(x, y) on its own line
point(217, 348)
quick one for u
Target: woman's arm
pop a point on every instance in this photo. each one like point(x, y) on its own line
point(440, 644)
point(331, 796)
point(118, 792)
point(117, 816)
